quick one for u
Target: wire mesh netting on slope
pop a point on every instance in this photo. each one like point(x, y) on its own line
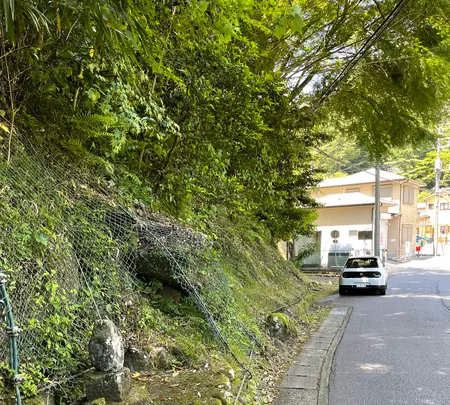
point(71, 256)
point(66, 263)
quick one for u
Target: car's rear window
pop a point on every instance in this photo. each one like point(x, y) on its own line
point(361, 263)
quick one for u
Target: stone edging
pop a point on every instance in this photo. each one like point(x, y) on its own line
point(324, 382)
point(308, 378)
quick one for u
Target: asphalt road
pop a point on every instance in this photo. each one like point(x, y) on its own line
point(396, 348)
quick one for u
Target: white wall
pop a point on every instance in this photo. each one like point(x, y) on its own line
point(347, 242)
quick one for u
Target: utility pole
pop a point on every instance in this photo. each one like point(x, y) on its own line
point(438, 170)
point(376, 232)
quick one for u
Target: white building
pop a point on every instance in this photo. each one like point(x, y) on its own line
point(346, 217)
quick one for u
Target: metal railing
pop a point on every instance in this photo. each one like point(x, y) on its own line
point(334, 260)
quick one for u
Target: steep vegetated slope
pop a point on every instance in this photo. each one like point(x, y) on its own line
point(74, 252)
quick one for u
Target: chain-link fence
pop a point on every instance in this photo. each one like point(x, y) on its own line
point(71, 254)
point(67, 261)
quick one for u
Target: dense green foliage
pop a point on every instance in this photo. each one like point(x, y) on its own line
point(196, 104)
point(396, 94)
point(208, 110)
point(69, 253)
point(62, 266)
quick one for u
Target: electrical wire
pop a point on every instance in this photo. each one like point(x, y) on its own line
point(345, 163)
point(361, 51)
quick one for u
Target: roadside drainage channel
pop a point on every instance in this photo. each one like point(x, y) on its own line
point(307, 380)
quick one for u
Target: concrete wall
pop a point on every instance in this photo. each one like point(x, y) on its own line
point(348, 238)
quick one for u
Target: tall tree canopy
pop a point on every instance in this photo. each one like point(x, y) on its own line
point(192, 105)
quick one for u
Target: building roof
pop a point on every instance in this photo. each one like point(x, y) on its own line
point(443, 192)
point(340, 200)
point(366, 176)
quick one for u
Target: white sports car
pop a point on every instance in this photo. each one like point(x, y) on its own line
point(363, 273)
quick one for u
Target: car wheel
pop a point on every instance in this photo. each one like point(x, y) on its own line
point(341, 291)
point(383, 291)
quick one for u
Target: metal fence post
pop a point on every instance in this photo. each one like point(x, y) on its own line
point(12, 331)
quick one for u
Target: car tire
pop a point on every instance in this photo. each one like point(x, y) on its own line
point(383, 291)
point(341, 291)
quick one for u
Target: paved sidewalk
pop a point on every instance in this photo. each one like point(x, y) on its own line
point(306, 382)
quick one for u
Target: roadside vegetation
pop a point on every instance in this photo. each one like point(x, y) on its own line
point(213, 115)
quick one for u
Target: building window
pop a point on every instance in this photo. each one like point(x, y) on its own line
point(335, 234)
point(352, 234)
point(428, 229)
point(407, 233)
point(364, 235)
point(445, 206)
point(385, 191)
point(431, 206)
point(408, 195)
point(352, 190)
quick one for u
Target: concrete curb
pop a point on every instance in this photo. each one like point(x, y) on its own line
point(324, 382)
point(307, 380)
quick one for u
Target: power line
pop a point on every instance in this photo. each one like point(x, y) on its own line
point(345, 163)
point(362, 51)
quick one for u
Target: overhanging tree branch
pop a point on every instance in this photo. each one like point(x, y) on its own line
point(361, 52)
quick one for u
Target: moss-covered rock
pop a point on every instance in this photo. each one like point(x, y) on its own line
point(99, 401)
point(44, 399)
point(280, 326)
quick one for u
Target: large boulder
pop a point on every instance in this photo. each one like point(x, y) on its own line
point(163, 248)
point(156, 263)
point(106, 349)
point(137, 360)
point(113, 386)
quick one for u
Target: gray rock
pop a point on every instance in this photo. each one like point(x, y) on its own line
point(113, 386)
point(162, 360)
point(154, 261)
point(280, 326)
point(171, 293)
point(106, 349)
point(137, 360)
